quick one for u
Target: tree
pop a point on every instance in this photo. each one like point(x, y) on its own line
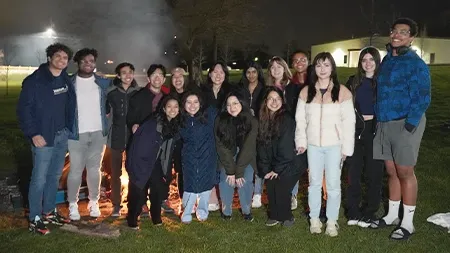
point(226, 52)
point(215, 19)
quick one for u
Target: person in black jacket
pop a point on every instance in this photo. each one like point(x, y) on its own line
point(149, 160)
point(363, 87)
point(278, 161)
point(235, 131)
point(118, 97)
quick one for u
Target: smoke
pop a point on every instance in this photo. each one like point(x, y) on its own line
point(136, 31)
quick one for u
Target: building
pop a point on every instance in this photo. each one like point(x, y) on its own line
point(346, 52)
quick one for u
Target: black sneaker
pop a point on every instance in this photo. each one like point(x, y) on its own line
point(248, 217)
point(365, 222)
point(166, 208)
point(225, 217)
point(55, 218)
point(38, 227)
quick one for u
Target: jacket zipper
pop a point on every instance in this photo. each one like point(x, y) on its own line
point(364, 124)
point(320, 123)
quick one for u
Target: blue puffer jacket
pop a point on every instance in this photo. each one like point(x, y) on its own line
point(404, 88)
point(103, 85)
point(35, 109)
point(199, 156)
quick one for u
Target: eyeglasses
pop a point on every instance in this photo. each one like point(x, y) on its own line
point(271, 99)
point(401, 32)
point(302, 60)
point(155, 74)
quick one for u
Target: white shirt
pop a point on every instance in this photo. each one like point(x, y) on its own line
point(88, 103)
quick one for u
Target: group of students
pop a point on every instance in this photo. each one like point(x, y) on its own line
point(220, 136)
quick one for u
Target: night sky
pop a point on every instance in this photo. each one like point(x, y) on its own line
point(130, 21)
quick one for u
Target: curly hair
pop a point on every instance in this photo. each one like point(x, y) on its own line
point(80, 54)
point(172, 127)
point(56, 47)
point(269, 122)
point(232, 131)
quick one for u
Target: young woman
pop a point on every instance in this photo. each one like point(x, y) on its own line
point(149, 161)
point(199, 156)
point(214, 92)
point(300, 64)
point(280, 77)
point(251, 87)
point(326, 127)
point(236, 130)
point(278, 162)
point(363, 87)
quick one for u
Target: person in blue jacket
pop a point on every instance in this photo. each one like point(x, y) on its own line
point(149, 160)
point(46, 110)
point(198, 155)
point(403, 96)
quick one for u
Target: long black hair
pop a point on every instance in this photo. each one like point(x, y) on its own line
point(172, 127)
point(224, 67)
point(252, 64)
point(202, 115)
point(333, 78)
point(232, 131)
point(360, 74)
point(269, 122)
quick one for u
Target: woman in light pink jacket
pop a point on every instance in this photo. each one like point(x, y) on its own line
point(326, 127)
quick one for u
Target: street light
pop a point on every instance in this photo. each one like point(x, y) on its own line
point(49, 32)
point(256, 59)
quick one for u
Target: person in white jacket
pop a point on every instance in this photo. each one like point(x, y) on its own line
point(325, 120)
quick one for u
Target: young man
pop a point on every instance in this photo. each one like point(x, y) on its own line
point(118, 96)
point(403, 96)
point(141, 109)
point(45, 112)
point(88, 138)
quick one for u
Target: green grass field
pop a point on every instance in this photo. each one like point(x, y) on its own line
point(216, 235)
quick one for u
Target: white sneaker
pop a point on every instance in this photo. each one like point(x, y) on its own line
point(256, 203)
point(73, 211)
point(94, 209)
point(294, 203)
point(213, 207)
point(332, 228)
point(316, 226)
point(352, 222)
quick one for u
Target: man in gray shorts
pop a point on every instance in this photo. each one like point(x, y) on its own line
point(403, 96)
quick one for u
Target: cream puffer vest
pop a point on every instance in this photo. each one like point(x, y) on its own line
point(323, 123)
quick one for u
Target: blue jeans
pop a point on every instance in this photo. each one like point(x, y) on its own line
point(259, 182)
point(330, 159)
point(245, 192)
point(48, 163)
point(189, 200)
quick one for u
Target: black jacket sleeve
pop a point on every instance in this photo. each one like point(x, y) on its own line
point(264, 159)
point(285, 146)
point(139, 107)
point(248, 151)
point(226, 156)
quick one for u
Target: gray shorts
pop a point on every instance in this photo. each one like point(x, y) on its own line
point(394, 143)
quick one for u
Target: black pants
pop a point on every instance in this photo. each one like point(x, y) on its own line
point(279, 193)
point(177, 166)
point(363, 158)
point(138, 196)
point(116, 172)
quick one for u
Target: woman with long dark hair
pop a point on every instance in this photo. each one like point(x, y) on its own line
point(198, 155)
point(325, 126)
point(236, 130)
point(363, 87)
point(278, 162)
point(149, 161)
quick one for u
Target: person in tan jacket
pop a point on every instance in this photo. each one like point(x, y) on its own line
point(325, 120)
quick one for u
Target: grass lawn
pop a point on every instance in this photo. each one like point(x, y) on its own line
point(239, 236)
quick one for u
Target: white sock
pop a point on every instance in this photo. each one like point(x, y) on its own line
point(408, 215)
point(392, 212)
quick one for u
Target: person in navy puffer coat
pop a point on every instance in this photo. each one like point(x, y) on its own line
point(198, 155)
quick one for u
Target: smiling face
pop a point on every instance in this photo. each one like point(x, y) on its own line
point(172, 108)
point(401, 36)
point(276, 71)
point(178, 81)
point(368, 64)
point(217, 75)
point(274, 101)
point(323, 69)
point(59, 60)
point(126, 75)
point(300, 62)
point(192, 105)
point(252, 75)
point(234, 107)
point(87, 64)
point(157, 79)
